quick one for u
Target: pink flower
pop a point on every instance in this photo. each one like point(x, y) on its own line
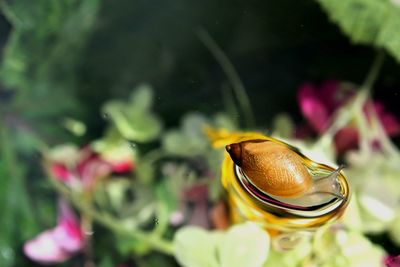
point(197, 195)
point(392, 261)
point(122, 166)
point(319, 104)
point(89, 167)
point(57, 244)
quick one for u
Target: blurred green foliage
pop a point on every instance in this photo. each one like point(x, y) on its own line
point(63, 59)
point(46, 43)
point(370, 22)
point(38, 71)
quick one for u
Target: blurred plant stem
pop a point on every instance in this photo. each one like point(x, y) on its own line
point(233, 76)
point(373, 73)
point(154, 241)
point(87, 226)
point(354, 110)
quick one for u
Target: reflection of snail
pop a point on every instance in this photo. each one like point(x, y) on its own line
point(277, 170)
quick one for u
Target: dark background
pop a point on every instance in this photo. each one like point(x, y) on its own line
point(275, 46)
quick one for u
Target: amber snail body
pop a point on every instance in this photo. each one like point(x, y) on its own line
point(277, 170)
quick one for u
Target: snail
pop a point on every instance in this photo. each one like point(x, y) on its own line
point(275, 169)
point(273, 184)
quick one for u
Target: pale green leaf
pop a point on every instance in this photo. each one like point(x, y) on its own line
point(340, 248)
point(195, 247)
point(134, 120)
point(370, 22)
point(394, 229)
point(358, 250)
point(190, 139)
point(244, 245)
point(222, 120)
point(142, 98)
point(114, 148)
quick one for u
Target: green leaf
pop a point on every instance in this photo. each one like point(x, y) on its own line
point(340, 248)
point(195, 247)
point(114, 148)
point(292, 258)
point(358, 250)
point(134, 120)
point(369, 22)
point(190, 139)
point(242, 245)
point(142, 98)
point(46, 43)
point(221, 120)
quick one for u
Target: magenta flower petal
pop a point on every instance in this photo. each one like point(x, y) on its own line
point(45, 249)
point(313, 109)
point(68, 238)
point(92, 170)
point(390, 123)
point(57, 244)
point(319, 104)
point(122, 166)
point(196, 193)
point(392, 261)
point(60, 172)
point(68, 232)
point(330, 95)
point(346, 139)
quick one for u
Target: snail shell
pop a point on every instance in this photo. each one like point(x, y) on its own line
point(272, 167)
